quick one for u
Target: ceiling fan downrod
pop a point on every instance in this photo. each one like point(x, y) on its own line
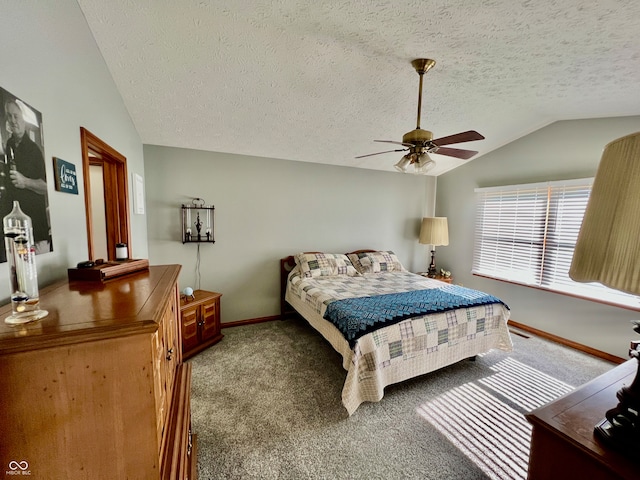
point(422, 66)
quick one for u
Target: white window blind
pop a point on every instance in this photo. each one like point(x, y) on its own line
point(527, 233)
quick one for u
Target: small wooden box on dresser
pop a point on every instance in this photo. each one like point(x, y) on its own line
point(97, 389)
point(200, 321)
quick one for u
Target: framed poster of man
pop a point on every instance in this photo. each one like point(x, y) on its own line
point(22, 168)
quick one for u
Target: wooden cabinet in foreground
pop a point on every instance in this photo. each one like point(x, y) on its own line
point(563, 443)
point(97, 389)
point(200, 321)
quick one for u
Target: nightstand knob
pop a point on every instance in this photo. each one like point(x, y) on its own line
point(169, 354)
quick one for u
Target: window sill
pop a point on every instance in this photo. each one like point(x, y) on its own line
point(560, 292)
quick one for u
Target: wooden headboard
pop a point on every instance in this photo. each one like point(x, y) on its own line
point(286, 265)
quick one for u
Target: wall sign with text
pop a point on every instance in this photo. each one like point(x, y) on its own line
point(65, 175)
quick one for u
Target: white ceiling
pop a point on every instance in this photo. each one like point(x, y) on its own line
point(318, 81)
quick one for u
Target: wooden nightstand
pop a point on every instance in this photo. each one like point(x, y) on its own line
point(200, 322)
point(437, 277)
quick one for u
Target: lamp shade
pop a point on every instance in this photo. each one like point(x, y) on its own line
point(434, 231)
point(608, 246)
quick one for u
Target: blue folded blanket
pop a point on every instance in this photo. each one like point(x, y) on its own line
point(356, 317)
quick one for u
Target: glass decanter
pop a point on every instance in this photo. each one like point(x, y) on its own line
point(23, 275)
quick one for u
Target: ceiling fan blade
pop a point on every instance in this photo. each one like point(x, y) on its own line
point(380, 153)
point(455, 152)
point(468, 136)
point(397, 143)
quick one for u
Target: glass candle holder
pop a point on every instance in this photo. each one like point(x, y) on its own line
point(23, 275)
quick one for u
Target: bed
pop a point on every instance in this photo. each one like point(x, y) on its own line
point(388, 324)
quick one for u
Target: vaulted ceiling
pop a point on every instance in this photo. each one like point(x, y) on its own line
point(318, 81)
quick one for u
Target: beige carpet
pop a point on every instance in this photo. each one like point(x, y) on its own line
point(266, 405)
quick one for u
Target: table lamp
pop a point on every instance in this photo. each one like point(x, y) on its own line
point(434, 231)
point(608, 251)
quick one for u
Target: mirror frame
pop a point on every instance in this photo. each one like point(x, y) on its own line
point(116, 192)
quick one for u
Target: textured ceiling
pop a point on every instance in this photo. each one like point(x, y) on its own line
point(318, 81)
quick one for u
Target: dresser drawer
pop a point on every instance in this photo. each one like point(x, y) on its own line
point(178, 452)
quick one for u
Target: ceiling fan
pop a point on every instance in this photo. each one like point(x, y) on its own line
point(420, 143)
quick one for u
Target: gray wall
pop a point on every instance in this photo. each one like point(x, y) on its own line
point(266, 209)
point(563, 150)
point(50, 60)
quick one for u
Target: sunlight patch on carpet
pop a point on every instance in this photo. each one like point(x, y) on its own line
point(477, 419)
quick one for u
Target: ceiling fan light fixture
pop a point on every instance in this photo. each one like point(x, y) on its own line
point(404, 162)
point(424, 163)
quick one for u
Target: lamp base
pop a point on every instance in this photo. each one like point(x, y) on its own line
point(432, 272)
point(617, 438)
point(621, 427)
point(25, 317)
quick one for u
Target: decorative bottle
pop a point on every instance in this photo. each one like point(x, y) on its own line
point(23, 275)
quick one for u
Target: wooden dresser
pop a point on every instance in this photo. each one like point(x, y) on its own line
point(563, 444)
point(200, 321)
point(97, 389)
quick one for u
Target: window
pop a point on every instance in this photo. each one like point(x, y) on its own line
point(526, 234)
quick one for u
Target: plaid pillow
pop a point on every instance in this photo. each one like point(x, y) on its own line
point(376, 262)
point(324, 264)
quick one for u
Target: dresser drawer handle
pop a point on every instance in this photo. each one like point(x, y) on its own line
point(170, 354)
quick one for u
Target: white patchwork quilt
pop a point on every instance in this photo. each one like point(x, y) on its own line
point(397, 352)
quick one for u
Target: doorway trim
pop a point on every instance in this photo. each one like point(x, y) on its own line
point(116, 196)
